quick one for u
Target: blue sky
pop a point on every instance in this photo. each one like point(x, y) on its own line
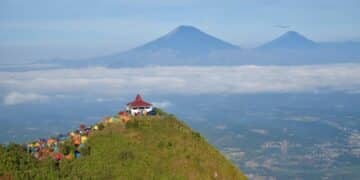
point(43, 29)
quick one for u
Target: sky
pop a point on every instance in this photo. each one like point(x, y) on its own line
point(43, 29)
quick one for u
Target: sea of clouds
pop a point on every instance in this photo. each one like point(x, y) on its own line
point(42, 85)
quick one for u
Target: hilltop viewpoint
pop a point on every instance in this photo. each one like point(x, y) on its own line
point(141, 147)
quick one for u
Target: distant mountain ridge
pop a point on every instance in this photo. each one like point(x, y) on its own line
point(188, 46)
point(185, 45)
point(186, 41)
point(290, 40)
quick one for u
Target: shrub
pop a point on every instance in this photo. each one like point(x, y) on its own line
point(67, 148)
point(85, 150)
point(132, 124)
point(101, 126)
point(169, 145)
point(161, 145)
point(14, 158)
point(126, 155)
point(196, 135)
point(160, 112)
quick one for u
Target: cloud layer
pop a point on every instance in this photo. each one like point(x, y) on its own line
point(105, 82)
point(19, 98)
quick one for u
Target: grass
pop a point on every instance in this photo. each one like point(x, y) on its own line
point(151, 147)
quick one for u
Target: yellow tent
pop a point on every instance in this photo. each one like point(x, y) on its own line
point(72, 134)
point(83, 139)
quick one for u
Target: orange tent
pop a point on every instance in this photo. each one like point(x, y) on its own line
point(69, 156)
point(76, 139)
point(51, 141)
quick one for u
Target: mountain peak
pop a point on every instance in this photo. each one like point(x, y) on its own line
point(187, 40)
point(186, 28)
point(294, 34)
point(290, 40)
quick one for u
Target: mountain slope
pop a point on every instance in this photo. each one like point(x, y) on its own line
point(186, 41)
point(158, 147)
point(185, 45)
point(290, 40)
point(188, 46)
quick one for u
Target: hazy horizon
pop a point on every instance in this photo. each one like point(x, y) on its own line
point(71, 30)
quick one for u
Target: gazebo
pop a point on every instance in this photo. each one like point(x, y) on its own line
point(138, 106)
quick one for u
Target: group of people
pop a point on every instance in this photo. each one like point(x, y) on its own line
point(57, 147)
point(68, 146)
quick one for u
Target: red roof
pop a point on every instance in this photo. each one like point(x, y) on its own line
point(138, 102)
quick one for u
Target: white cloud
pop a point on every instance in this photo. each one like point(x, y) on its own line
point(32, 129)
point(162, 104)
point(20, 98)
point(221, 127)
point(107, 83)
point(259, 131)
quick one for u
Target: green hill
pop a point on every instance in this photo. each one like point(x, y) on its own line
point(147, 147)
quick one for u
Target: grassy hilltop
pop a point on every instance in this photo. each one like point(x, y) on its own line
point(146, 147)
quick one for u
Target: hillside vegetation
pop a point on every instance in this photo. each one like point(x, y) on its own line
point(146, 147)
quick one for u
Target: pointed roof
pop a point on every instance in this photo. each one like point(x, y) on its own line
point(138, 102)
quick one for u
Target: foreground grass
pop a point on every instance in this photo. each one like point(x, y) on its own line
point(159, 147)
